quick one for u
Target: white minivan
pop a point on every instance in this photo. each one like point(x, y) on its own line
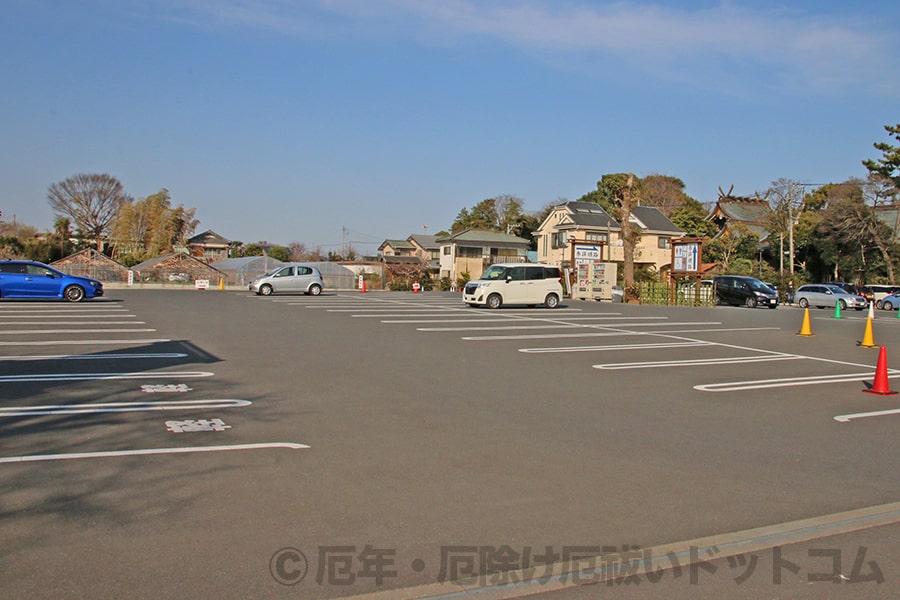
point(515, 283)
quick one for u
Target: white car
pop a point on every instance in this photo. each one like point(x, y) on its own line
point(515, 283)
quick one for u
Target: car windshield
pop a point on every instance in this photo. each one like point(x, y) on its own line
point(493, 273)
point(759, 286)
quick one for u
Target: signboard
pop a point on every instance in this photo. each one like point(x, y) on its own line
point(587, 253)
point(686, 256)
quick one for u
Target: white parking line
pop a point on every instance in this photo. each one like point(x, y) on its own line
point(566, 326)
point(865, 415)
point(70, 311)
point(27, 331)
point(762, 384)
point(115, 407)
point(150, 451)
point(662, 333)
point(614, 347)
point(103, 376)
point(94, 322)
point(456, 319)
point(97, 356)
point(84, 342)
point(697, 362)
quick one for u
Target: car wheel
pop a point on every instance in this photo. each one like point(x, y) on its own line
point(73, 293)
point(843, 304)
point(551, 301)
point(266, 290)
point(315, 289)
point(887, 306)
point(878, 304)
point(494, 301)
point(751, 302)
point(803, 302)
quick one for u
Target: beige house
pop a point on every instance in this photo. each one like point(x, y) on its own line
point(397, 248)
point(587, 223)
point(467, 254)
point(427, 249)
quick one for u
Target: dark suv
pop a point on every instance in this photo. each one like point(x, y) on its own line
point(739, 290)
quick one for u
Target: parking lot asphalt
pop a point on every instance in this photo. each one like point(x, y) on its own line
point(216, 444)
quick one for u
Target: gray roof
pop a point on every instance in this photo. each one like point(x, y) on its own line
point(654, 220)
point(482, 237)
point(209, 237)
point(428, 242)
point(589, 214)
point(396, 244)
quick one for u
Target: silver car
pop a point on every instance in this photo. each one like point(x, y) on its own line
point(289, 278)
point(823, 295)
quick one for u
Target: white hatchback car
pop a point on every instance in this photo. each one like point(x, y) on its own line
point(515, 283)
point(289, 278)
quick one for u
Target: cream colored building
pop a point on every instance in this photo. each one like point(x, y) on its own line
point(587, 223)
point(467, 254)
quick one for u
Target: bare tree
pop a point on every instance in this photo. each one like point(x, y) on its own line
point(91, 201)
point(630, 235)
point(786, 199)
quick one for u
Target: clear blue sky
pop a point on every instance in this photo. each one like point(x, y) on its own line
point(285, 120)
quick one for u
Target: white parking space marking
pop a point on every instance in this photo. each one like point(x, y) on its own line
point(117, 407)
point(550, 336)
point(196, 425)
point(565, 326)
point(151, 451)
point(103, 376)
point(866, 415)
point(463, 318)
point(167, 388)
point(66, 311)
point(762, 384)
point(134, 342)
point(91, 322)
point(699, 362)
point(44, 331)
point(660, 345)
point(97, 356)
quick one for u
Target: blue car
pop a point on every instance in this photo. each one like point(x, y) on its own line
point(30, 279)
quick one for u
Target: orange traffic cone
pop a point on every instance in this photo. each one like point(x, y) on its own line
point(805, 329)
point(363, 288)
point(881, 385)
point(868, 342)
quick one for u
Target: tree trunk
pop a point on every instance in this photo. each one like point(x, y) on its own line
point(628, 240)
